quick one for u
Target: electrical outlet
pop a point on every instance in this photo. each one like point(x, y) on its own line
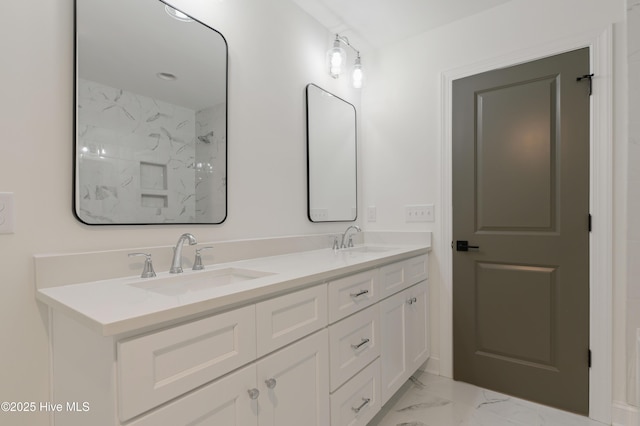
point(7, 225)
point(371, 214)
point(419, 213)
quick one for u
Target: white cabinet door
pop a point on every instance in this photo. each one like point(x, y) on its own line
point(417, 326)
point(226, 401)
point(393, 359)
point(404, 331)
point(294, 384)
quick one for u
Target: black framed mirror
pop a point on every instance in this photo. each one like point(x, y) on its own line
point(150, 115)
point(331, 157)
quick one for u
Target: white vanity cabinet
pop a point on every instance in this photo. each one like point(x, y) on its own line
point(288, 387)
point(331, 353)
point(404, 334)
point(367, 336)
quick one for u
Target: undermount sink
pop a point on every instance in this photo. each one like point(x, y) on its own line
point(369, 249)
point(189, 282)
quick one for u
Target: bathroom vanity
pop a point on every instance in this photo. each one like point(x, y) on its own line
point(319, 337)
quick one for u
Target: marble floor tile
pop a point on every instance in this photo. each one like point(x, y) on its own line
point(429, 400)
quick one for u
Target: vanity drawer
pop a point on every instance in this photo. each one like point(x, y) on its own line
point(352, 293)
point(400, 275)
point(353, 343)
point(287, 318)
point(160, 366)
point(223, 402)
point(358, 400)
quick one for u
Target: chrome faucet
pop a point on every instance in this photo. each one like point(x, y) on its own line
point(176, 264)
point(357, 228)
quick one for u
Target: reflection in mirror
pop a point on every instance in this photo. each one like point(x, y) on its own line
point(151, 115)
point(331, 157)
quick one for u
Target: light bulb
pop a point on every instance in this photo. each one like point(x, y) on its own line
point(335, 59)
point(357, 76)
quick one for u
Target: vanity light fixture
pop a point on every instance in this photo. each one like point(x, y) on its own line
point(176, 14)
point(336, 59)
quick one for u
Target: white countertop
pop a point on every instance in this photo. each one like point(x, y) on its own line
point(117, 306)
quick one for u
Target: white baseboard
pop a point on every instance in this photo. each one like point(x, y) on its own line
point(623, 414)
point(432, 366)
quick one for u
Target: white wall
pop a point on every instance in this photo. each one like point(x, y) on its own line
point(274, 51)
point(402, 125)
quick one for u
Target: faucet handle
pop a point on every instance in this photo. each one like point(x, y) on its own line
point(336, 245)
point(350, 244)
point(147, 271)
point(197, 263)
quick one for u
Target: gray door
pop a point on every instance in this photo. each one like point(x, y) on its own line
point(521, 194)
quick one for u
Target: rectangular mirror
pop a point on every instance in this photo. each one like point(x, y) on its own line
point(331, 157)
point(151, 115)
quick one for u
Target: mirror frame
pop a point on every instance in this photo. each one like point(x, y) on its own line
point(355, 153)
point(75, 184)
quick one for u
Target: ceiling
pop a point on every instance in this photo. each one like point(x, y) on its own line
point(378, 23)
point(128, 50)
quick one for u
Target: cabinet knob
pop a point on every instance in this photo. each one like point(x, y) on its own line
point(412, 300)
point(271, 383)
point(254, 393)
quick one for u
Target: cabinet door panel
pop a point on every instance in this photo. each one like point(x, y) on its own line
point(294, 384)
point(400, 275)
point(417, 326)
point(394, 369)
point(353, 343)
point(160, 366)
point(355, 403)
point(351, 294)
point(287, 318)
point(223, 402)
point(416, 269)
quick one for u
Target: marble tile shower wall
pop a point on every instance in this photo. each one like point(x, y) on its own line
point(135, 151)
point(633, 209)
point(211, 181)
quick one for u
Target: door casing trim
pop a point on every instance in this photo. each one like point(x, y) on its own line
point(600, 203)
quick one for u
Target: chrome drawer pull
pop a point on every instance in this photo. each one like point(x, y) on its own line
point(359, 345)
point(360, 293)
point(271, 383)
point(412, 301)
point(365, 401)
point(254, 393)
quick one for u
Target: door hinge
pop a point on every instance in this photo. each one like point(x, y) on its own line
point(590, 78)
point(589, 357)
point(590, 222)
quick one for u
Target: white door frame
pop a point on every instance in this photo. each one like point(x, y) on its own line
point(600, 200)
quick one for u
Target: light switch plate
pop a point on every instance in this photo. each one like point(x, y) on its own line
point(7, 223)
point(419, 213)
point(371, 214)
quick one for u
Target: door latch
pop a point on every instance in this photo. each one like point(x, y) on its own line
point(462, 245)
